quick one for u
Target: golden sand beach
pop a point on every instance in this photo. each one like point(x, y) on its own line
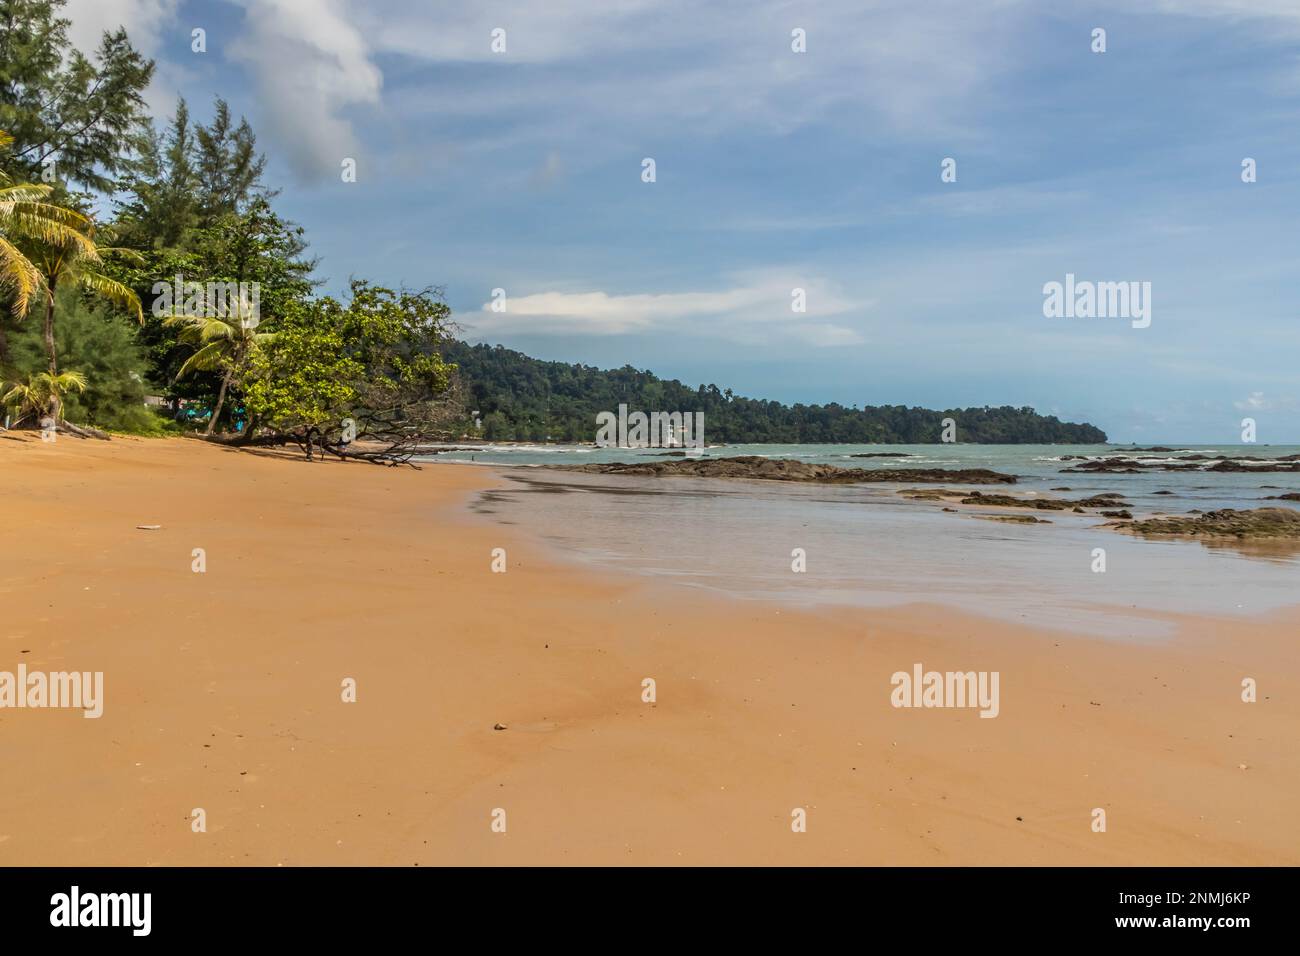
point(222, 692)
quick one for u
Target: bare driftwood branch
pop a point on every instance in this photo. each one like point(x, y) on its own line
point(31, 423)
point(83, 431)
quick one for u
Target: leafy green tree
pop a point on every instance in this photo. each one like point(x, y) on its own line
point(375, 361)
point(189, 177)
point(85, 115)
point(162, 190)
point(306, 378)
point(229, 166)
point(103, 345)
point(255, 246)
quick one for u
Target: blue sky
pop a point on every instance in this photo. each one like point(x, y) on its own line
point(818, 170)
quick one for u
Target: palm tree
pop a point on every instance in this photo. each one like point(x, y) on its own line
point(44, 392)
point(222, 342)
point(76, 262)
point(26, 218)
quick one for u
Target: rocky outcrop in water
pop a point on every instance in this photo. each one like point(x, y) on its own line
point(1271, 466)
point(786, 469)
point(1124, 465)
point(1221, 463)
point(1007, 501)
point(1224, 523)
point(1107, 500)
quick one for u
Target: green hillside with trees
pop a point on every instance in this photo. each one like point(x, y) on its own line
point(524, 399)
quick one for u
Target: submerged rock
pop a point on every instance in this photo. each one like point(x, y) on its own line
point(1007, 501)
point(1111, 466)
point(1272, 466)
point(1108, 500)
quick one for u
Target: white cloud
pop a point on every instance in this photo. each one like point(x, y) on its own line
point(662, 64)
point(755, 309)
point(1232, 9)
point(1259, 402)
point(310, 63)
point(308, 60)
point(667, 64)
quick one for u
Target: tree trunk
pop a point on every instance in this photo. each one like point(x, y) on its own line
point(49, 329)
point(221, 400)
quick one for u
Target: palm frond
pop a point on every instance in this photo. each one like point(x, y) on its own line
point(24, 192)
point(121, 252)
point(201, 328)
point(20, 393)
point(20, 276)
point(70, 381)
point(206, 359)
point(49, 225)
point(112, 290)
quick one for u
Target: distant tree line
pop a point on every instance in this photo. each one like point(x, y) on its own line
point(519, 398)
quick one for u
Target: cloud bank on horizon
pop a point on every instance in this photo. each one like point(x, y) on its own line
point(501, 147)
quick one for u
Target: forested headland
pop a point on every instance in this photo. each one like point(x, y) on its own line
point(519, 398)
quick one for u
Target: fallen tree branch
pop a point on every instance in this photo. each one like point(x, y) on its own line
point(83, 431)
point(398, 450)
point(29, 423)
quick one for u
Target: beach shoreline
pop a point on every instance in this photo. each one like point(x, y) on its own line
point(222, 692)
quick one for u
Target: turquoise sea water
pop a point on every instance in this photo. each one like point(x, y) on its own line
point(867, 545)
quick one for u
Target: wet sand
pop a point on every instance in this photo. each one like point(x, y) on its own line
point(873, 546)
point(223, 692)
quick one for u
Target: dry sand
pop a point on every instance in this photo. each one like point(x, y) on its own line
point(223, 692)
